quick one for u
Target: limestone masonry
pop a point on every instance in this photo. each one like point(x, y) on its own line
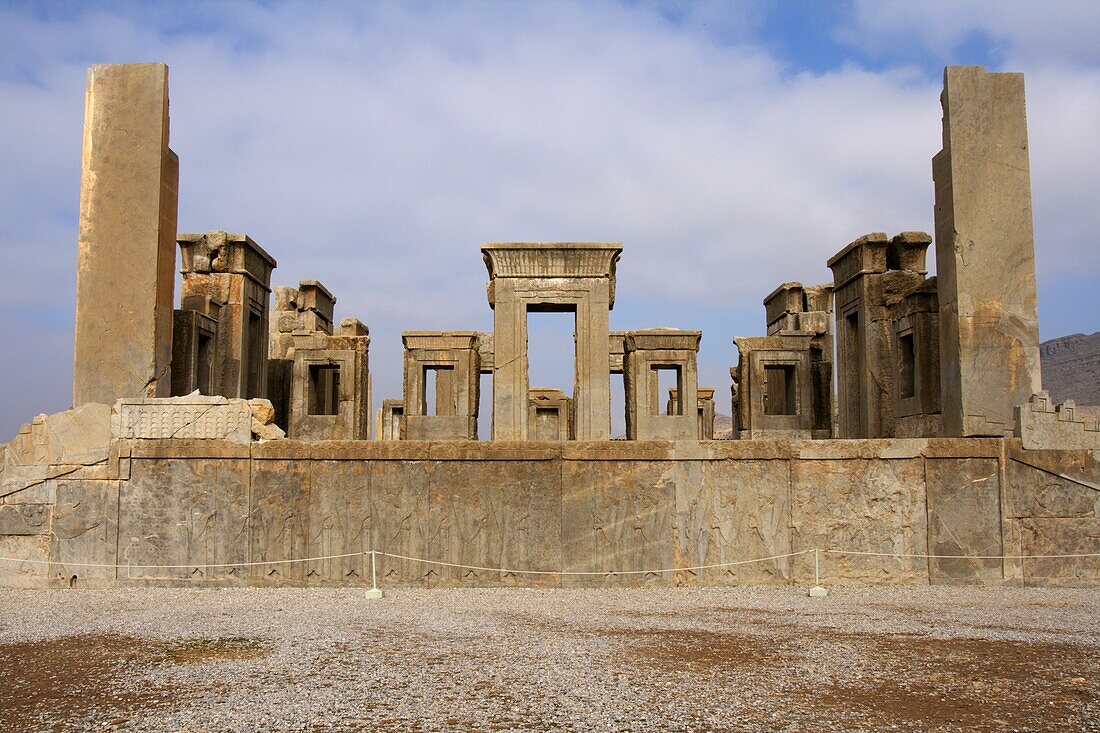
point(883, 412)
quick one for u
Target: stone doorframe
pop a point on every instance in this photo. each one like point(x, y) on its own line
point(572, 277)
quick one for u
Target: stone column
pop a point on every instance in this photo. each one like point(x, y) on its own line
point(510, 382)
point(985, 254)
point(592, 386)
point(127, 242)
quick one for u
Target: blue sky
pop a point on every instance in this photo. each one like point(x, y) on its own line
point(728, 146)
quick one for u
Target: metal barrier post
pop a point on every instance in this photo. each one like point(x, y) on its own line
point(375, 592)
point(818, 591)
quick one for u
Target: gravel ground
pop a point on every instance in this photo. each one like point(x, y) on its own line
point(747, 659)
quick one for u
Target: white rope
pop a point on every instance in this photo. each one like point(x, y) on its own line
point(182, 567)
point(400, 557)
point(961, 557)
point(515, 571)
point(594, 572)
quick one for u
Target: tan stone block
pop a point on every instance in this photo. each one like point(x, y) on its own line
point(267, 432)
point(868, 505)
point(372, 449)
point(185, 448)
point(34, 550)
point(185, 512)
point(964, 519)
point(472, 450)
point(281, 450)
point(1061, 536)
point(340, 522)
point(24, 519)
point(85, 527)
point(262, 410)
point(515, 525)
point(617, 516)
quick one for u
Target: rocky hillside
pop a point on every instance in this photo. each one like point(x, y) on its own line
point(1071, 368)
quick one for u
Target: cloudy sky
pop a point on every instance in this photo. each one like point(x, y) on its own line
point(374, 146)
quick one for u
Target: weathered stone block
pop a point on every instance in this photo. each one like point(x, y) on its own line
point(25, 519)
point(964, 519)
point(340, 521)
point(869, 505)
point(194, 417)
point(517, 525)
point(85, 527)
point(617, 516)
point(729, 511)
point(278, 522)
point(185, 513)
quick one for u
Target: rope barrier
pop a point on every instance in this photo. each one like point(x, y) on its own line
point(182, 567)
point(596, 572)
point(517, 571)
point(962, 557)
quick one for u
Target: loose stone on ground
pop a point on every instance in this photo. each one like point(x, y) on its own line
point(756, 659)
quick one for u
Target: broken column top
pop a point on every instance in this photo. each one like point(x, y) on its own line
point(314, 296)
point(794, 297)
point(877, 253)
point(353, 327)
point(218, 251)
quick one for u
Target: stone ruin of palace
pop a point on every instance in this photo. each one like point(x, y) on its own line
point(884, 411)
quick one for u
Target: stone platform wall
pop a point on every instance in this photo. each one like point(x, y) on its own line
point(607, 506)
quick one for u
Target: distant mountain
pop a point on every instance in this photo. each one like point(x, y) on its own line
point(1071, 368)
point(723, 426)
point(1071, 371)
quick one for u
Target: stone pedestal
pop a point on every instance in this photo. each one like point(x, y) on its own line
point(809, 308)
point(550, 414)
point(773, 394)
point(916, 354)
point(704, 409)
point(127, 241)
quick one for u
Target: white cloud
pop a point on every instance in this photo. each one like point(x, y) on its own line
point(376, 149)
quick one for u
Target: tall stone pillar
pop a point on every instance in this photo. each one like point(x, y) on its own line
point(569, 277)
point(985, 254)
point(126, 255)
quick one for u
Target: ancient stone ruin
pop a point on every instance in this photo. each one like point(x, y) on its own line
point(224, 440)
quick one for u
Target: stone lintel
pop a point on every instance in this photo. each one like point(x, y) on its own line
point(547, 260)
point(669, 339)
point(440, 340)
point(782, 341)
